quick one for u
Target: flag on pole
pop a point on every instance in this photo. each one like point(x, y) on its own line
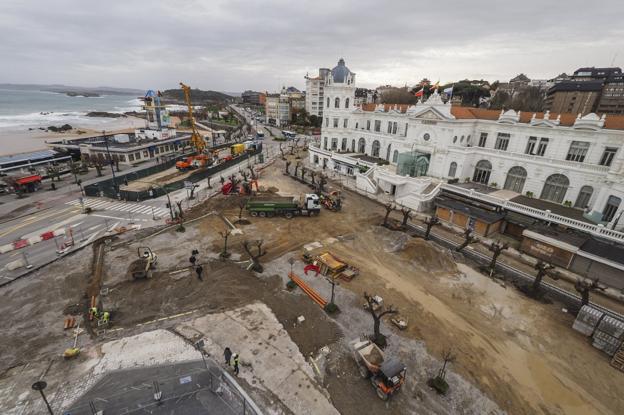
point(449, 90)
point(435, 86)
point(420, 93)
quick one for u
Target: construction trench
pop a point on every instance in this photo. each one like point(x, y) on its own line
point(512, 354)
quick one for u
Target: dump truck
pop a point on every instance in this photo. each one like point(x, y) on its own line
point(284, 206)
point(386, 375)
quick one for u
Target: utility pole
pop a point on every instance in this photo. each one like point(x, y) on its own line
point(110, 159)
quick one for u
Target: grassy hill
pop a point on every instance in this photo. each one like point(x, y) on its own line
point(198, 96)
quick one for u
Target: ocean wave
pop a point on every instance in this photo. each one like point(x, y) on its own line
point(46, 119)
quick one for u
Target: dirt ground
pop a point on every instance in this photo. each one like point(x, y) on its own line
point(511, 352)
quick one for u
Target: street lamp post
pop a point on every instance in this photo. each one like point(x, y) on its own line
point(110, 160)
point(40, 386)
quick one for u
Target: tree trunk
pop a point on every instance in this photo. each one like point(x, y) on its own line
point(584, 297)
point(376, 323)
point(537, 282)
point(429, 226)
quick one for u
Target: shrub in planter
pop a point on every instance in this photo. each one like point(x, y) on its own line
point(438, 384)
point(330, 308)
point(291, 285)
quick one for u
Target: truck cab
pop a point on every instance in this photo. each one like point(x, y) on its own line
point(312, 202)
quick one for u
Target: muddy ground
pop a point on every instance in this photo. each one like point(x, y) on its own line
point(523, 355)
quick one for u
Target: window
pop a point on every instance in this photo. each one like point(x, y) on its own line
point(453, 169)
point(516, 176)
point(362, 145)
point(347, 103)
point(577, 151)
point(607, 156)
point(541, 148)
point(345, 123)
point(327, 106)
point(357, 124)
point(334, 145)
point(406, 125)
point(388, 152)
point(377, 125)
point(530, 148)
point(461, 140)
point(137, 155)
point(325, 143)
point(337, 103)
point(368, 125)
point(130, 157)
point(395, 127)
point(482, 172)
point(582, 201)
point(426, 137)
point(122, 157)
point(502, 141)
point(375, 148)
point(316, 159)
point(395, 156)
point(555, 188)
point(157, 150)
point(454, 139)
point(335, 122)
point(326, 122)
point(353, 145)
point(389, 127)
point(613, 203)
point(343, 146)
point(483, 139)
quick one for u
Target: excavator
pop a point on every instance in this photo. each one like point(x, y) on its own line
point(202, 158)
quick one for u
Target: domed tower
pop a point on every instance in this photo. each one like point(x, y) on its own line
point(339, 96)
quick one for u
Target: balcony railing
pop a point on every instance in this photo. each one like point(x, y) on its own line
point(545, 215)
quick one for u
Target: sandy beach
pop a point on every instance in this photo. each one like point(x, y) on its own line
point(20, 140)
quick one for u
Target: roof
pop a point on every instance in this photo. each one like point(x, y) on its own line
point(340, 72)
point(569, 236)
point(607, 250)
point(28, 179)
point(24, 157)
point(577, 86)
point(553, 207)
point(457, 206)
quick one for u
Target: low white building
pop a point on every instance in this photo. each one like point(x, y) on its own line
point(561, 158)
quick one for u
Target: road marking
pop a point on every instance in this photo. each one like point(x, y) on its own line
point(118, 218)
point(33, 219)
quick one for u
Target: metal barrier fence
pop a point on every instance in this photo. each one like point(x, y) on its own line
point(106, 187)
point(231, 394)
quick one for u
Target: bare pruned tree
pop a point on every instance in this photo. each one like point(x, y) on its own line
point(242, 203)
point(253, 173)
point(543, 270)
point(407, 215)
point(321, 183)
point(283, 155)
point(469, 238)
point(497, 248)
point(431, 221)
point(389, 208)
point(377, 312)
point(288, 162)
point(303, 172)
point(312, 176)
point(448, 357)
point(297, 166)
point(585, 285)
point(225, 235)
point(255, 258)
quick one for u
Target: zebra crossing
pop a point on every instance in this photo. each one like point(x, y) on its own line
point(132, 207)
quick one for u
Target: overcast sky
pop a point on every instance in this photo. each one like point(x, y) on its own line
point(233, 45)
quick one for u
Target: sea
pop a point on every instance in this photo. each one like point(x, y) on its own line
point(24, 109)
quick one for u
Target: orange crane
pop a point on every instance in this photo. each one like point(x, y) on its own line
point(200, 159)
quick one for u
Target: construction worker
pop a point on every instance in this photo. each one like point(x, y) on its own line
point(227, 353)
point(235, 361)
point(105, 317)
point(199, 269)
point(93, 311)
point(192, 260)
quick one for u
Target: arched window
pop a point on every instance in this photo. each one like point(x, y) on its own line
point(516, 176)
point(585, 194)
point(362, 145)
point(327, 102)
point(337, 103)
point(375, 148)
point(334, 145)
point(555, 188)
point(347, 103)
point(613, 203)
point(325, 143)
point(395, 156)
point(343, 145)
point(353, 145)
point(388, 152)
point(316, 159)
point(482, 172)
point(452, 169)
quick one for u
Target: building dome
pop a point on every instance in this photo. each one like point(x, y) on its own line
point(340, 73)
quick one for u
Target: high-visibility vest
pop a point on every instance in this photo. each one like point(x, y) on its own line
point(94, 311)
point(236, 361)
point(106, 316)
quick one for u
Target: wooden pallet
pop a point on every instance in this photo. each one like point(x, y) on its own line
point(618, 359)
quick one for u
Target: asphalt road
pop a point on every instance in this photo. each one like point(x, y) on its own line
point(187, 388)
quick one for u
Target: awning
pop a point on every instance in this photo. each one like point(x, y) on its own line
point(28, 179)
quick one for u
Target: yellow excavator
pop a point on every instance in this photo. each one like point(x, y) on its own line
point(200, 159)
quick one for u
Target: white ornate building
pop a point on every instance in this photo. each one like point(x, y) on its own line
point(561, 158)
